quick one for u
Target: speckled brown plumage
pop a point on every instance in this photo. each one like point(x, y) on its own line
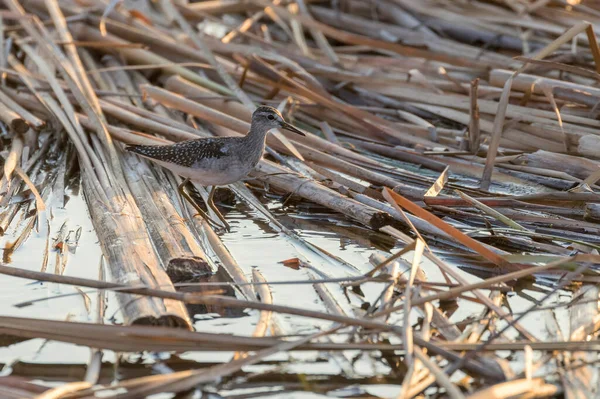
point(187, 153)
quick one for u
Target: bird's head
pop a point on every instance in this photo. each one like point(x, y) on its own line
point(271, 118)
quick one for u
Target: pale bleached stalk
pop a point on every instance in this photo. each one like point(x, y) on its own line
point(407, 330)
point(12, 119)
point(31, 119)
point(64, 390)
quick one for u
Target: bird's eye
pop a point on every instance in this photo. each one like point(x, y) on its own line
point(270, 117)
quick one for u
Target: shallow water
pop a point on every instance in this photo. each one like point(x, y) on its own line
point(254, 245)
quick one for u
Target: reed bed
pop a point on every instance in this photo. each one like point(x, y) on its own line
point(466, 134)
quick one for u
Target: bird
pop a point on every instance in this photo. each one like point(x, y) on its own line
point(216, 161)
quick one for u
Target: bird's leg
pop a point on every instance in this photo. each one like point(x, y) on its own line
point(212, 206)
point(186, 195)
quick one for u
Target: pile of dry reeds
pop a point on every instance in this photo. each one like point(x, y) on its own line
point(467, 132)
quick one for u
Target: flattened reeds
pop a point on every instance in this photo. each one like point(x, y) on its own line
point(463, 132)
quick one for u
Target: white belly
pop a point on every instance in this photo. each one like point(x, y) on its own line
point(219, 175)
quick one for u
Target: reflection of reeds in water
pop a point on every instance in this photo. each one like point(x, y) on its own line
point(463, 132)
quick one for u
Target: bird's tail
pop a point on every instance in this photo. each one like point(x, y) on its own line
point(147, 151)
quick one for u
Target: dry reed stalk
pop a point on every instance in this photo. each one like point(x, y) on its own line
point(64, 390)
point(592, 212)
point(16, 123)
point(474, 115)
point(229, 263)
point(109, 195)
point(206, 113)
point(16, 387)
point(333, 306)
point(184, 381)
point(11, 162)
point(525, 386)
point(148, 338)
point(125, 116)
point(215, 7)
point(100, 285)
point(584, 321)
point(31, 120)
point(575, 166)
point(287, 181)
point(243, 27)
point(158, 117)
point(263, 293)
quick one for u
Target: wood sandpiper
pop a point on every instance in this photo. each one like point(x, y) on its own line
point(216, 161)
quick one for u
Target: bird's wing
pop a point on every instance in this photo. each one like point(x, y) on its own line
point(185, 153)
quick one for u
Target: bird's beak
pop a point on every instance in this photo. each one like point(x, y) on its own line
point(287, 126)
